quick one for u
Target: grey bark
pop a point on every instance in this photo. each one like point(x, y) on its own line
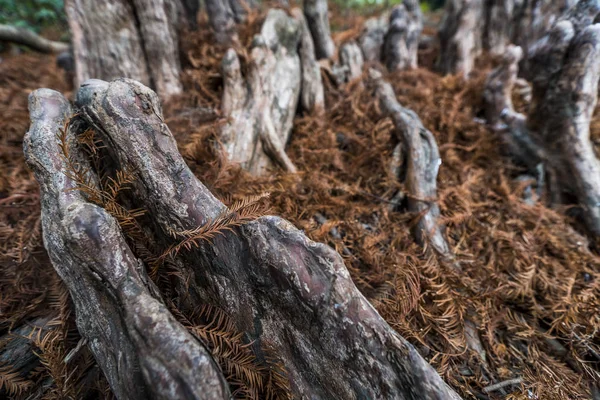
point(532, 20)
point(421, 159)
point(317, 16)
point(498, 23)
point(350, 64)
point(143, 351)
point(460, 36)
point(500, 114)
point(312, 95)
point(25, 37)
point(261, 106)
point(498, 20)
point(223, 16)
point(288, 294)
point(106, 41)
point(158, 24)
point(240, 8)
point(519, 22)
point(222, 21)
point(191, 9)
point(17, 348)
point(401, 42)
point(499, 86)
point(372, 37)
point(420, 162)
point(565, 69)
point(126, 38)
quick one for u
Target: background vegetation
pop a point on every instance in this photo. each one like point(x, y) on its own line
point(32, 14)
point(40, 14)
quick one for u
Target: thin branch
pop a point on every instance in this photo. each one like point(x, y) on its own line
point(503, 384)
point(25, 37)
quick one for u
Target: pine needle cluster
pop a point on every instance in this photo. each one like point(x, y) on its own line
point(241, 212)
point(248, 378)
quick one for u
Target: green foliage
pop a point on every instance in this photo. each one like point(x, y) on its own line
point(32, 14)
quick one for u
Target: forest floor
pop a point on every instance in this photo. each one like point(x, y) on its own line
point(528, 279)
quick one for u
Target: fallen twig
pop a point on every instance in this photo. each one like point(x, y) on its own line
point(503, 384)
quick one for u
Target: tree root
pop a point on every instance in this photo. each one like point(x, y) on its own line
point(119, 311)
point(401, 42)
point(290, 296)
point(565, 90)
point(317, 17)
point(261, 109)
point(25, 37)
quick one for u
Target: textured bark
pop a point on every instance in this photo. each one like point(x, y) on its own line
point(25, 37)
point(350, 65)
point(563, 105)
point(312, 95)
point(136, 39)
point(222, 21)
point(493, 25)
point(261, 106)
point(501, 116)
point(317, 17)
point(565, 69)
point(158, 21)
point(223, 16)
point(288, 294)
point(531, 20)
point(240, 8)
point(460, 36)
point(106, 41)
point(498, 17)
point(422, 161)
point(372, 37)
point(519, 22)
point(190, 10)
point(509, 21)
point(499, 86)
point(17, 348)
point(417, 160)
point(143, 351)
point(401, 42)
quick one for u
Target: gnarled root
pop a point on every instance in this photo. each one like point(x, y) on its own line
point(222, 21)
point(565, 69)
point(128, 328)
point(290, 296)
point(421, 163)
point(262, 105)
point(460, 36)
point(401, 42)
point(501, 116)
point(312, 94)
point(419, 154)
point(317, 16)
